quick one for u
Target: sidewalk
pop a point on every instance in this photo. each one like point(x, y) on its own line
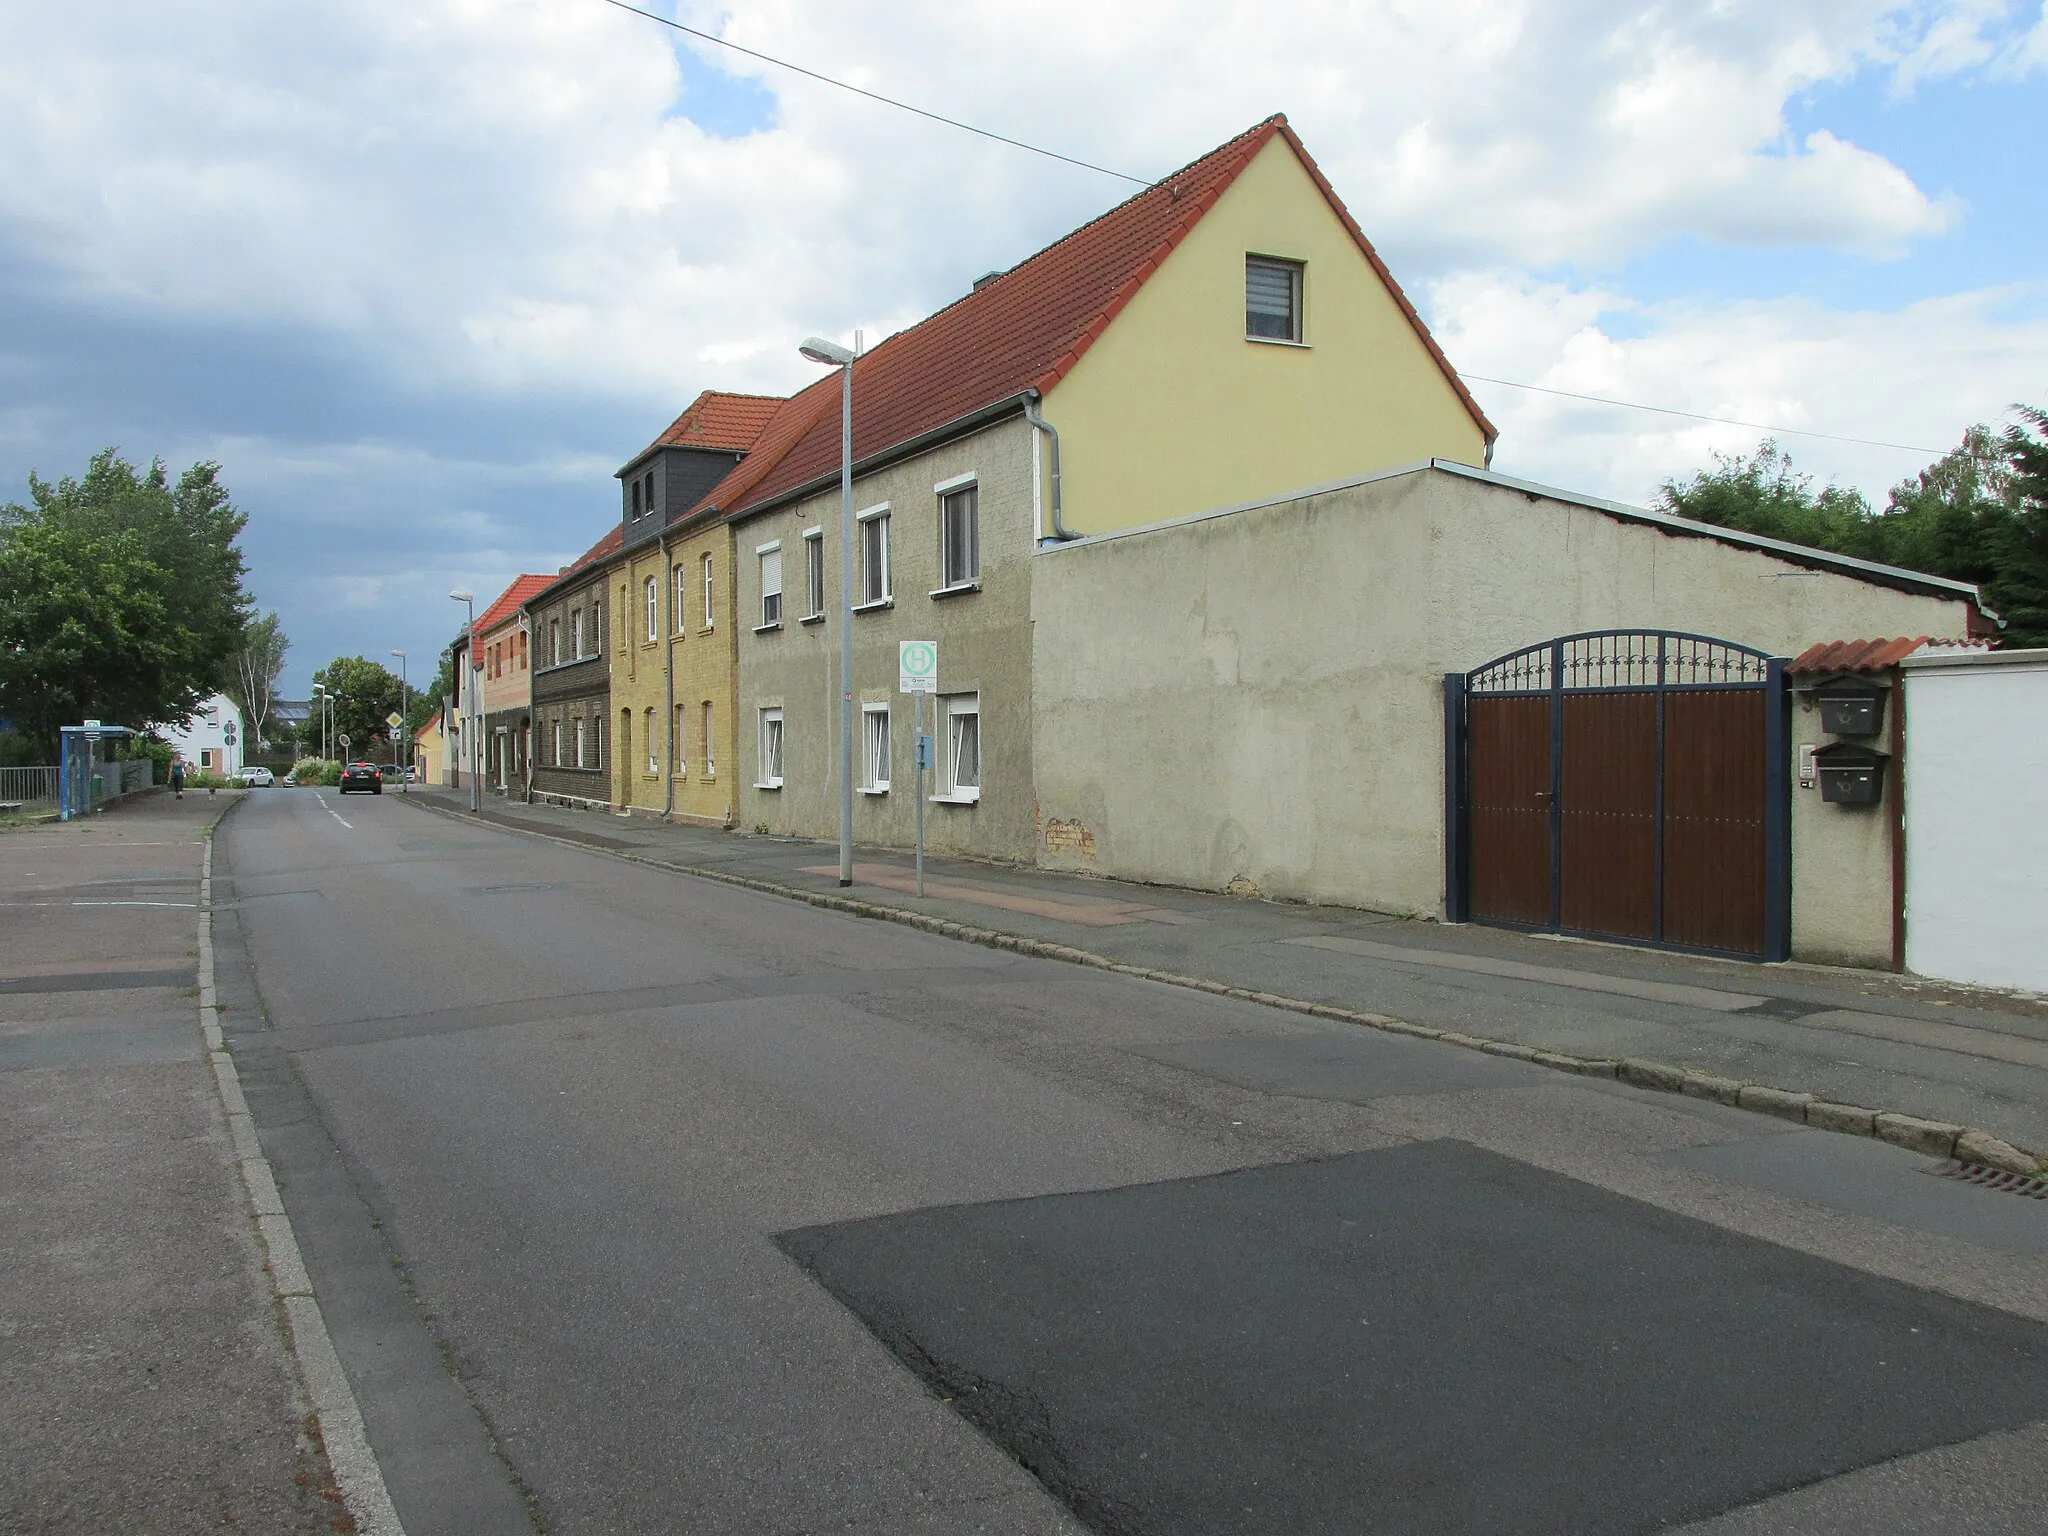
point(1888, 1043)
point(146, 1384)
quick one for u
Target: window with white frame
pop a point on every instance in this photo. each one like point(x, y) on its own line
point(959, 743)
point(771, 584)
point(653, 747)
point(814, 572)
point(556, 761)
point(653, 611)
point(710, 750)
point(582, 748)
point(707, 592)
point(682, 598)
point(874, 749)
point(576, 631)
point(676, 739)
point(554, 642)
point(1272, 299)
point(770, 776)
point(959, 535)
point(874, 556)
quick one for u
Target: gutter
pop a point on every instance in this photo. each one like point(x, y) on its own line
point(668, 683)
point(1040, 424)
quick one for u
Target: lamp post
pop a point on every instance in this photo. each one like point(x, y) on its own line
point(471, 727)
point(819, 350)
point(405, 713)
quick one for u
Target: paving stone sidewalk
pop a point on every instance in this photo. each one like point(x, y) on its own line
point(145, 1381)
point(1886, 1042)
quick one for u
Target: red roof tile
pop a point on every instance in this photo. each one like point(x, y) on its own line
point(718, 420)
point(509, 601)
point(1860, 655)
point(1023, 330)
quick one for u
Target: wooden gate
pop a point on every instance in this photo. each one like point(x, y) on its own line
point(1628, 784)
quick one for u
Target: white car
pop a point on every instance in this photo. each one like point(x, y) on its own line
point(257, 778)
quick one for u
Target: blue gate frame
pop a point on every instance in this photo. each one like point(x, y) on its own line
point(1623, 661)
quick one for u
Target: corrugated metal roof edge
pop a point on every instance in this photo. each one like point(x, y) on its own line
point(1869, 570)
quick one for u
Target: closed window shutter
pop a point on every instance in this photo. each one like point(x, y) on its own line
point(1270, 290)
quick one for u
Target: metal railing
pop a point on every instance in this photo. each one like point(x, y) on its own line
point(28, 786)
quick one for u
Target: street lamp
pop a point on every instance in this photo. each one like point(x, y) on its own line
point(819, 350)
point(405, 713)
point(473, 728)
point(320, 699)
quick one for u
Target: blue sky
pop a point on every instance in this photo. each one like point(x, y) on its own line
point(421, 277)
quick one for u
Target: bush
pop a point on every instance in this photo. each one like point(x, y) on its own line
point(314, 770)
point(158, 752)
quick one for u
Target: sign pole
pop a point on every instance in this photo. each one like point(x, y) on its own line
point(917, 674)
point(917, 737)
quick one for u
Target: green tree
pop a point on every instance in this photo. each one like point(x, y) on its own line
point(2020, 590)
point(164, 554)
point(85, 631)
point(1763, 494)
point(253, 672)
point(367, 693)
point(426, 700)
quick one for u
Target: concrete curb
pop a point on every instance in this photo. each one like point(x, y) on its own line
point(1936, 1138)
point(346, 1442)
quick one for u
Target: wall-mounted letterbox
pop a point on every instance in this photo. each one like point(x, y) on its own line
point(1850, 775)
point(1850, 707)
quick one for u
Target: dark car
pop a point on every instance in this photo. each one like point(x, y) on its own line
point(362, 776)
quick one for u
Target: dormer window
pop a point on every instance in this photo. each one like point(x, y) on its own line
point(1272, 299)
point(634, 493)
point(647, 490)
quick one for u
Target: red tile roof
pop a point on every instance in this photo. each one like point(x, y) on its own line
point(1023, 330)
point(509, 601)
point(1861, 655)
point(716, 419)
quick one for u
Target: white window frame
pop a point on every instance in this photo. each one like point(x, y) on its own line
point(679, 739)
point(682, 598)
point(769, 749)
point(814, 574)
point(653, 610)
point(1297, 270)
point(582, 738)
point(710, 621)
point(877, 518)
point(770, 555)
point(875, 747)
point(945, 490)
point(558, 746)
point(576, 632)
point(653, 750)
point(953, 706)
point(710, 751)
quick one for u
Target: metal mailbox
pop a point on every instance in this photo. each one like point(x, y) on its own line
point(1850, 774)
point(1851, 707)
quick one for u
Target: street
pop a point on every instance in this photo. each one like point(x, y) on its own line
point(640, 1203)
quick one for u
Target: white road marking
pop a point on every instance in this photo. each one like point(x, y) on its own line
point(354, 1463)
point(186, 904)
point(330, 810)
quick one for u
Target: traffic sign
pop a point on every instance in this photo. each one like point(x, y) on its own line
point(394, 719)
point(917, 666)
point(343, 739)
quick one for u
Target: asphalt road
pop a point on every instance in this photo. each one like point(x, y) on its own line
point(638, 1203)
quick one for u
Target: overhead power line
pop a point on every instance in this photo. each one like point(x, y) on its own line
point(1665, 410)
point(887, 101)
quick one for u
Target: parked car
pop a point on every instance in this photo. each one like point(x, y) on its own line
point(257, 778)
point(362, 776)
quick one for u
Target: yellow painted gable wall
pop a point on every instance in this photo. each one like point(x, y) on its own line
point(1173, 411)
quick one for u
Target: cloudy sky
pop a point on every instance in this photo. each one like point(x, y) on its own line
point(422, 273)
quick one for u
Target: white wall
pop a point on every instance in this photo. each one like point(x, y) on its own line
point(206, 732)
point(1977, 818)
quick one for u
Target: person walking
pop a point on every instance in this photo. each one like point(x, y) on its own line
point(178, 777)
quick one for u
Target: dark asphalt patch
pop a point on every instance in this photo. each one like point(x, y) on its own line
point(1349, 1066)
point(98, 981)
point(1427, 1338)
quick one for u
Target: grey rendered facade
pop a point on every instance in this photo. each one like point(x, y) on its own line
point(571, 690)
point(788, 665)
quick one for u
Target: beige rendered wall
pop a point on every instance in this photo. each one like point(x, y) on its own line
point(1843, 891)
point(1172, 410)
point(984, 646)
point(705, 658)
point(1257, 696)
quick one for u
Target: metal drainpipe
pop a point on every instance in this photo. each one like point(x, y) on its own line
point(668, 682)
point(1039, 423)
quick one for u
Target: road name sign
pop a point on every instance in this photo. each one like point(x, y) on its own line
point(917, 666)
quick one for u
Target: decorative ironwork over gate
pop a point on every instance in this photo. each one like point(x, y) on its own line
point(1623, 784)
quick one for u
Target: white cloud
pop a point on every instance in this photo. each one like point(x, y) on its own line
point(1916, 376)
